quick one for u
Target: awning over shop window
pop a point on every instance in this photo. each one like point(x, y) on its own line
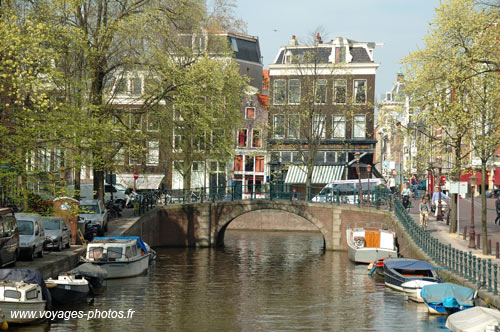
point(465, 177)
point(320, 175)
point(144, 181)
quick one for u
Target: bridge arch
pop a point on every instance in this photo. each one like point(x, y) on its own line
point(240, 208)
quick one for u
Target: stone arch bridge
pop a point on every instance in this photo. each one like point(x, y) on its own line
point(204, 224)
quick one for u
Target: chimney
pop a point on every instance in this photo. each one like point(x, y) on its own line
point(293, 41)
point(318, 39)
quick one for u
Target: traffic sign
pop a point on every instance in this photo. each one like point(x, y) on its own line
point(460, 188)
point(136, 175)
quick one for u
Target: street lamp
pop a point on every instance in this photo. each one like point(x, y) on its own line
point(356, 156)
point(369, 170)
point(472, 232)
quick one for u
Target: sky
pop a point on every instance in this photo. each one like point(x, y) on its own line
point(400, 24)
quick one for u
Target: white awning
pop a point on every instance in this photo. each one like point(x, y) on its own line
point(144, 181)
point(320, 175)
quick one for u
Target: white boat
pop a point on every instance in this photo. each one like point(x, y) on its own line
point(367, 245)
point(67, 288)
point(121, 257)
point(413, 288)
point(21, 302)
point(477, 319)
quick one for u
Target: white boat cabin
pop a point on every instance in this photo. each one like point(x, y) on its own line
point(19, 291)
point(113, 250)
point(373, 238)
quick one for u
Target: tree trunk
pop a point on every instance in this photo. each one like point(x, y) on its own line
point(455, 177)
point(484, 230)
point(76, 181)
point(310, 168)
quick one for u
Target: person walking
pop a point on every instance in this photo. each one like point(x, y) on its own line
point(414, 185)
point(424, 212)
point(497, 207)
point(405, 194)
point(392, 184)
point(435, 200)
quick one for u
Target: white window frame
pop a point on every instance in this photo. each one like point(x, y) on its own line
point(325, 89)
point(174, 145)
point(290, 117)
point(132, 123)
point(275, 117)
point(254, 112)
point(260, 138)
point(148, 121)
point(336, 83)
point(355, 91)
point(153, 158)
point(338, 119)
point(354, 122)
point(275, 83)
point(319, 119)
point(238, 138)
point(290, 93)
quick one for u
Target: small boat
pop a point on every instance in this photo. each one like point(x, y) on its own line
point(121, 257)
point(21, 302)
point(447, 298)
point(366, 245)
point(400, 270)
point(477, 319)
point(94, 274)
point(413, 288)
point(68, 288)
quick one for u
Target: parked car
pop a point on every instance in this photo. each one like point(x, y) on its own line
point(31, 235)
point(93, 212)
point(87, 192)
point(9, 237)
point(57, 232)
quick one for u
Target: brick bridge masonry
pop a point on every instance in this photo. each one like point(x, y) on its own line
point(204, 224)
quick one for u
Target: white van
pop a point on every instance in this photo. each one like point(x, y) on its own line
point(348, 190)
point(87, 192)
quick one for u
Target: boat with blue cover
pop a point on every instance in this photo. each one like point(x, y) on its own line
point(401, 270)
point(120, 256)
point(447, 298)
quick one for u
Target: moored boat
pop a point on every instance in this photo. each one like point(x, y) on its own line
point(21, 302)
point(400, 270)
point(447, 298)
point(477, 319)
point(68, 288)
point(121, 257)
point(366, 245)
point(94, 274)
point(414, 287)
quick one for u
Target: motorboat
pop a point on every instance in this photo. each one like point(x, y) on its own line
point(121, 257)
point(21, 302)
point(400, 270)
point(366, 245)
point(94, 274)
point(447, 298)
point(477, 319)
point(68, 288)
point(413, 288)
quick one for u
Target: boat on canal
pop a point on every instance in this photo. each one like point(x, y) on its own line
point(447, 298)
point(414, 287)
point(397, 271)
point(94, 274)
point(477, 319)
point(121, 257)
point(367, 245)
point(68, 288)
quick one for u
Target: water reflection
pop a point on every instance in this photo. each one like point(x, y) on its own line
point(260, 281)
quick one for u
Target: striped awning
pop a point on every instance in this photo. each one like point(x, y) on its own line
point(320, 175)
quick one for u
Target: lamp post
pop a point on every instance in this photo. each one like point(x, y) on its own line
point(369, 170)
point(439, 207)
point(356, 156)
point(472, 232)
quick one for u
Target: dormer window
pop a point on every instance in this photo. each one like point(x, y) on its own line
point(339, 54)
point(288, 57)
point(234, 45)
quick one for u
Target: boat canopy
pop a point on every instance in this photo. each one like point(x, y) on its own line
point(408, 264)
point(89, 270)
point(30, 277)
point(437, 293)
point(139, 240)
point(473, 320)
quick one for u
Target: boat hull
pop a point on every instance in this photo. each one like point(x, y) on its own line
point(36, 307)
point(395, 280)
point(125, 269)
point(440, 309)
point(369, 255)
point(63, 294)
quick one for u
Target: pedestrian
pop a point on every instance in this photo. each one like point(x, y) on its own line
point(424, 212)
point(295, 195)
point(392, 184)
point(414, 185)
point(435, 200)
point(497, 206)
point(405, 194)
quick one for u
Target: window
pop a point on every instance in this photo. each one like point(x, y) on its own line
point(279, 126)
point(197, 166)
point(12, 294)
point(153, 153)
point(339, 91)
point(256, 138)
point(128, 252)
point(249, 163)
point(177, 113)
point(320, 91)
point(242, 138)
point(294, 92)
point(119, 157)
point(360, 91)
point(153, 122)
point(340, 54)
point(234, 44)
point(133, 158)
point(250, 113)
point(178, 139)
point(286, 157)
point(319, 157)
point(121, 85)
point(338, 126)
point(279, 92)
point(359, 124)
point(318, 126)
point(259, 163)
point(136, 121)
point(238, 163)
point(293, 126)
point(330, 157)
point(136, 85)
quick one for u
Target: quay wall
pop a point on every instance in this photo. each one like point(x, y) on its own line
point(54, 263)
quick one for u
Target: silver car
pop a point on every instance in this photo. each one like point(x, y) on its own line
point(57, 232)
point(93, 212)
point(31, 235)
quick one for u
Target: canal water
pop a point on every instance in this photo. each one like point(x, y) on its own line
point(260, 281)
